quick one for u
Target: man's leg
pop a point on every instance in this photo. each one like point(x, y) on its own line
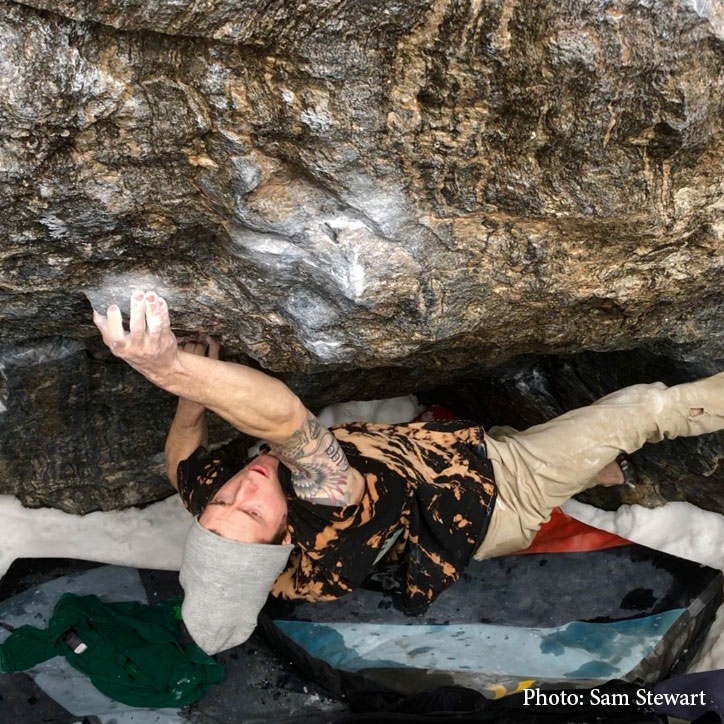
point(543, 466)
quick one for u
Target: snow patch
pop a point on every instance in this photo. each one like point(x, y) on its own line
point(148, 537)
point(390, 411)
point(677, 528)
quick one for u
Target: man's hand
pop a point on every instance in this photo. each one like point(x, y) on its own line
point(150, 346)
point(249, 400)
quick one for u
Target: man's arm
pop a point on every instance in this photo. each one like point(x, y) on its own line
point(251, 401)
point(320, 470)
point(188, 429)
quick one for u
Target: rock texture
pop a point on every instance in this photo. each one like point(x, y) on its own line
point(407, 191)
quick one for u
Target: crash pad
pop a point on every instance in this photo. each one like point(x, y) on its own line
point(564, 613)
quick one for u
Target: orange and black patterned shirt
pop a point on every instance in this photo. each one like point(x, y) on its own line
point(428, 500)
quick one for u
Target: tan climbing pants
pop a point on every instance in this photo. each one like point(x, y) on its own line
point(543, 466)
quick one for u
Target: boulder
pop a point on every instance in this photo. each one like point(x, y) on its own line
point(366, 199)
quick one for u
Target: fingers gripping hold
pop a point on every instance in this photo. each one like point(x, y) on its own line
point(114, 327)
point(138, 322)
point(204, 346)
point(150, 346)
point(194, 347)
point(214, 346)
point(153, 317)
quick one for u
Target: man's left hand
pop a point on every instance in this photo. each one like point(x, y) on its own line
point(150, 346)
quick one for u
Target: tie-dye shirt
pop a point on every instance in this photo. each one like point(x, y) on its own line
point(427, 504)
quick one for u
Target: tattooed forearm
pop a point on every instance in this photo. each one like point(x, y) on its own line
point(320, 471)
point(334, 452)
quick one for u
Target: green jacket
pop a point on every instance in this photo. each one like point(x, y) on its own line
point(132, 650)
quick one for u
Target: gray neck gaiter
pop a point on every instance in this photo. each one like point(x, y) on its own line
point(226, 584)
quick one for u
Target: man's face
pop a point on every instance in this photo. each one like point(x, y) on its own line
point(250, 507)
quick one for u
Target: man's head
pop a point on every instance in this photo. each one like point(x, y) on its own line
point(251, 506)
point(233, 554)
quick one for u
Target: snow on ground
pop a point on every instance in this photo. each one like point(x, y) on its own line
point(152, 537)
point(681, 529)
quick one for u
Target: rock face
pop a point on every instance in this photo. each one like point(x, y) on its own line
point(410, 191)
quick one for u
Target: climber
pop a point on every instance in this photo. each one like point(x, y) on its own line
point(317, 508)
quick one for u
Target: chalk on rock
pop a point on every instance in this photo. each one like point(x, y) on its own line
point(117, 289)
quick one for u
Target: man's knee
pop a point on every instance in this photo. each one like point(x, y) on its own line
point(497, 432)
point(636, 414)
point(654, 395)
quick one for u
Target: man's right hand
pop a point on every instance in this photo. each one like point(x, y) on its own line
point(150, 346)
